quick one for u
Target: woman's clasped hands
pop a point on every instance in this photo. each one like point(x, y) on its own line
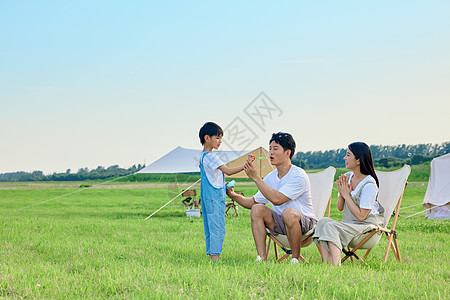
point(343, 186)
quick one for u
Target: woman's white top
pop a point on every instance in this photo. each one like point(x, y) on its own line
point(368, 197)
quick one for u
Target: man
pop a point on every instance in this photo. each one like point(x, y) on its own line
point(287, 189)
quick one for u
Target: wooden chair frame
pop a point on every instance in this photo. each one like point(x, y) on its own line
point(189, 201)
point(232, 205)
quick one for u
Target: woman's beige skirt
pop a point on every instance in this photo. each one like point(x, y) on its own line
point(338, 233)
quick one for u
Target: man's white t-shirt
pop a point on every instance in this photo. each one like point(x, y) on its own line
point(295, 185)
point(211, 163)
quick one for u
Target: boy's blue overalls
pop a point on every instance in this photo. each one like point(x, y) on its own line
point(213, 210)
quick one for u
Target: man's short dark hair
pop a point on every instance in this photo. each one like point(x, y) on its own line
point(285, 140)
point(209, 128)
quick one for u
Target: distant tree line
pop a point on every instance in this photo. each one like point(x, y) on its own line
point(384, 156)
point(82, 174)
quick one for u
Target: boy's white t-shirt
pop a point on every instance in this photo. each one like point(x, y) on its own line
point(295, 185)
point(211, 163)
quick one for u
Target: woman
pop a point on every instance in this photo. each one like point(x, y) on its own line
point(357, 198)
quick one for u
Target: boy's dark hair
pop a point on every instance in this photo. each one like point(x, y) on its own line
point(209, 128)
point(285, 140)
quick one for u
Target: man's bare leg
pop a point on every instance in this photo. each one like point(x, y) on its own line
point(291, 218)
point(261, 217)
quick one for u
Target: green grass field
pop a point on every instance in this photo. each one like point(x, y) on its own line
point(96, 244)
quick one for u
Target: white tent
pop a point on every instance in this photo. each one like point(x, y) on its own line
point(182, 160)
point(437, 197)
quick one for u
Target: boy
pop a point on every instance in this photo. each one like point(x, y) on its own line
point(213, 189)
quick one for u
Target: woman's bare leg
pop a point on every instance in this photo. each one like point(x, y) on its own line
point(335, 254)
point(326, 255)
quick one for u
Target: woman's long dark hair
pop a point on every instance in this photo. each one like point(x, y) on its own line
point(363, 153)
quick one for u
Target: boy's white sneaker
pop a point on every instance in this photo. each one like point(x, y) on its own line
point(258, 259)
point(294, 261)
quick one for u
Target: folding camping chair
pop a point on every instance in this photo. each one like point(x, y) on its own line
point(390, 194)
point(232, 205)
point(321, 186)
point(189, 201)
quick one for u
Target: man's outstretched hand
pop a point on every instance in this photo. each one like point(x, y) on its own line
point(250, 169)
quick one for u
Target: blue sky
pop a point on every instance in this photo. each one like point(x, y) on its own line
point(98, 83)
